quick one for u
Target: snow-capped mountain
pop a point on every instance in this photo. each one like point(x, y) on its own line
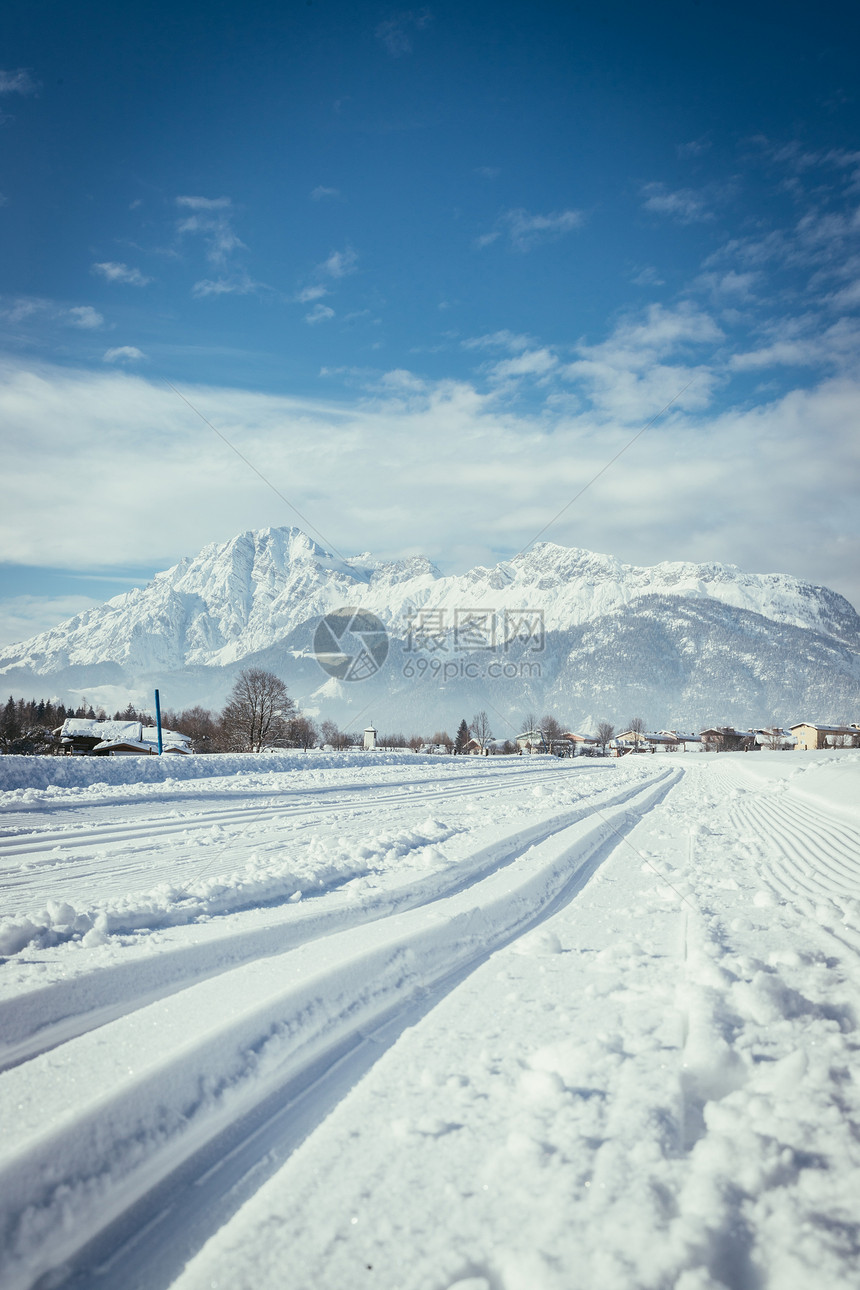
point(679, 642)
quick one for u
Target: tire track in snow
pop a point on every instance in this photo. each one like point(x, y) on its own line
point(37, 1022)
point(214, 1052)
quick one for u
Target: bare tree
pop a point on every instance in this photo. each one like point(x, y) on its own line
point(198, 723)
point(302, 733)
point(552, 731)
point(530, 722)
point(331, 734)
point(636, 728)
point(396, 740)
point(258, 712)
point(481, 731)
point(605, 732)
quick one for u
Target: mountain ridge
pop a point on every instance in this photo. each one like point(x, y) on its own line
point(261, 593)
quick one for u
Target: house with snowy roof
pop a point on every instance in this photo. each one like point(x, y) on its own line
point(682, 738)
point(727, 739)
point(84, 737)
point(811, 736)
point(532, 741)
point(575, 744)
point(489, 748)
point(775, 738)
point(644, 741)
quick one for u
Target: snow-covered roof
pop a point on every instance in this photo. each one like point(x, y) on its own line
point(124, 745)
point(88, 728)
point(832, 730)
point(728, 730)
point(150, 735)
point(120, 731)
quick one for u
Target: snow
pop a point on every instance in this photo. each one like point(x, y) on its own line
point(484, 1024)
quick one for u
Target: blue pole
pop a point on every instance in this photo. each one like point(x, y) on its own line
point(158, 722)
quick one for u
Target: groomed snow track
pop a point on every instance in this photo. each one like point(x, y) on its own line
point(211, 1074)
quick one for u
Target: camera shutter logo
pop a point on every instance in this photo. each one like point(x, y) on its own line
point(350, 644)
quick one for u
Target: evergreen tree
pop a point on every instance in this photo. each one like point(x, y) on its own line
point(462, 737)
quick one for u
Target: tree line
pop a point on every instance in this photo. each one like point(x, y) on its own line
point(259, 713)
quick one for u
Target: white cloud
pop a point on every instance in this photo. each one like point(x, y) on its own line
point(205, 203)
point(647, 277)
point(86, 317)
point(121, 273)
point(239, 285)
point(311, 293)
point(320, 192)
point(733, 285)
point(649, 360)
point(396, 32)
point(340, 263)
point(212, 219)
point(375, 473)
point(847, 297)
point(400, 380)
point(319, 313)
point(683, 205)
point(534, 362)
point(694, 148)
point(17, 82)
point(17, 309)
point(123, 354)
point(509, 340)
point(801, 342)
point(525, 230)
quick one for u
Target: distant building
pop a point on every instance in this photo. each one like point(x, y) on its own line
point(370, 739)
point(647, 741)
point(532, 741)
point(727, 739)
point(775, 738)
point(812, 735)
point(573, 745)
point(683, 738)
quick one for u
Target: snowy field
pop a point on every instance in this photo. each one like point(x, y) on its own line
point(316, 1022)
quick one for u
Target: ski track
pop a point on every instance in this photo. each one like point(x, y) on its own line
point(97, 844)
point(64, 1010)
point(253, 1038)
point(712, 1120)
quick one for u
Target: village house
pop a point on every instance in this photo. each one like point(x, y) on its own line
point(775, 738)
point(644, 741)
point(682, 739)
point(84, 737)
point(727, 739)
point(573, 745)
point(490, 748)
point(532, 741)
point(811, 736)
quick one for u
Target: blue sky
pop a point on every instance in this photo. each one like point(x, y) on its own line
point(429, 269)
